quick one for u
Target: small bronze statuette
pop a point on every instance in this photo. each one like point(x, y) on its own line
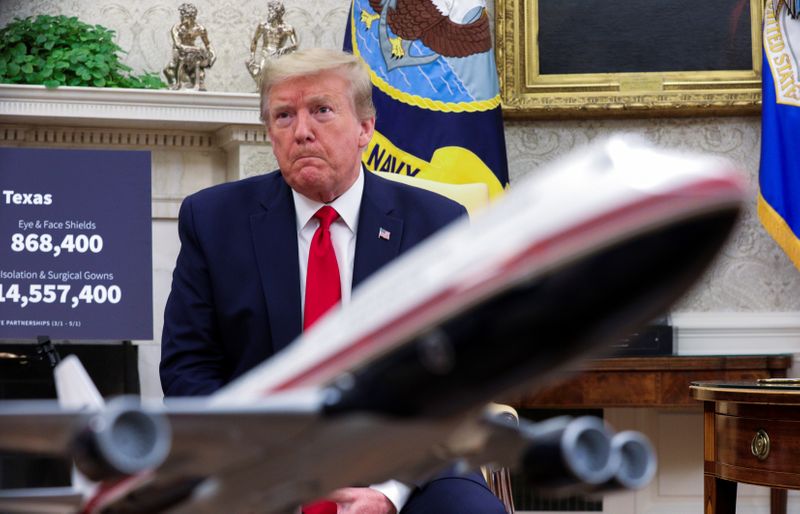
point(189, 61)
point(277, 38)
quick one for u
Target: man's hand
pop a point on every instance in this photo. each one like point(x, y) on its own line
point(361, 500)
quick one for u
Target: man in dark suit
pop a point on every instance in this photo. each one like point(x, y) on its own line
point(242, 286)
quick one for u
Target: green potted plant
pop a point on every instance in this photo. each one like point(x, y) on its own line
point(57, 50)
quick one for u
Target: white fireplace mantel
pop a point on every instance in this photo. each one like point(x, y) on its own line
point(204, 111)
point(132, 118)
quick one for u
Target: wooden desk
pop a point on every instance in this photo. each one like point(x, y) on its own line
point(650, 381)
point(751, 434)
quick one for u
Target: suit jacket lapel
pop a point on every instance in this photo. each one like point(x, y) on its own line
point(376, 213)
point(275, 241)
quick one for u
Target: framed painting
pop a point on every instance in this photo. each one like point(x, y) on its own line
point(580, 58)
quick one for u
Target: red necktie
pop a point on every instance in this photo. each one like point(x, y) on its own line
point(323, 289)
point(320, 507)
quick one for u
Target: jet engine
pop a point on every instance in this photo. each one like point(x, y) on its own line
point(121, 440)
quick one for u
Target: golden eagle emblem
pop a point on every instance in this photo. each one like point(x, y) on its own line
point(450, 29)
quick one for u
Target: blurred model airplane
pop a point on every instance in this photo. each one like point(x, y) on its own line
point(395, 384)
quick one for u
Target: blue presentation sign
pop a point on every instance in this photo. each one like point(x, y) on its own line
point(75, 244)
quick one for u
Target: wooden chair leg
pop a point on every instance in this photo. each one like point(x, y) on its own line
point(499, 481)
point(720, 495)
point(777, 501)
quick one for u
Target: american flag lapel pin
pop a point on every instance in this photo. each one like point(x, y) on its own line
point(384, 234)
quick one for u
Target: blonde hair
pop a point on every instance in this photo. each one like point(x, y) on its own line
point(313, 61)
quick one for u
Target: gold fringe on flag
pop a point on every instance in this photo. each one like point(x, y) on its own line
point(779, 230)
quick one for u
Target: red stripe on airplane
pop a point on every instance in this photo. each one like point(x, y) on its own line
point(649, 207)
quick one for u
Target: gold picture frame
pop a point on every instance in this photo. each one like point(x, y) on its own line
point(525, 92)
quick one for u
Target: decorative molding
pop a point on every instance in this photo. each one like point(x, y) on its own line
point(736, 333)
point(673, 103)
point(234, 135)
point(39, 135)
point(127, 108)
point(83, 116)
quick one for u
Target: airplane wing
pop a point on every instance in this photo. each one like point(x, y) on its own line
point(297, 450)
point(275, 455)
point(188, 441)
point(43, 500)
point(37, 426)
point(575, 256)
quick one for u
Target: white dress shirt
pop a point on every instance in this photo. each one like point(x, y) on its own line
point(343, 234)
point(343, 237)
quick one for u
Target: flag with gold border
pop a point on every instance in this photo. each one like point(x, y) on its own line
point(435, 89)
point(779, 174)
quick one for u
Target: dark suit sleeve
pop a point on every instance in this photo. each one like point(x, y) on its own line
point(192, 362)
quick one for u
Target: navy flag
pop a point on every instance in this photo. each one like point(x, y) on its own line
point(779, 175)
point(435, 89)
